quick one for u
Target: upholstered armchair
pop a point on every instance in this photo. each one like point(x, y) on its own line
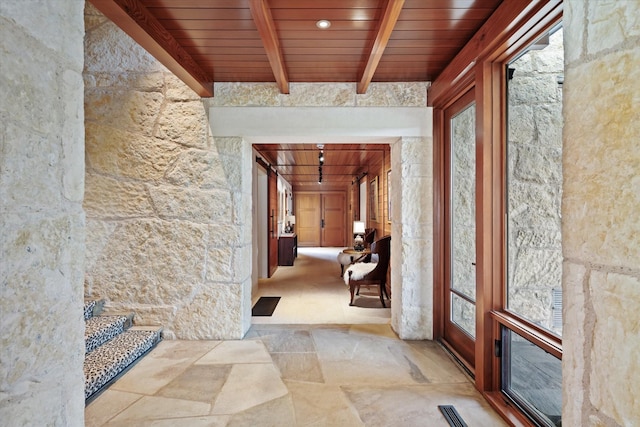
point(371, 273)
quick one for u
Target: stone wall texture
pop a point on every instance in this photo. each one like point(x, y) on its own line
point(600, 205)
point(534, 184)
point(168, 206)
point(412, 238)
point(41, 217)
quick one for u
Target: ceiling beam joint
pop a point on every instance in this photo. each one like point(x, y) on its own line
point(136, 20)
point(261, 14)
point(387, 23)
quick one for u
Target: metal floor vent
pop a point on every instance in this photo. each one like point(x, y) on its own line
point(451, 415)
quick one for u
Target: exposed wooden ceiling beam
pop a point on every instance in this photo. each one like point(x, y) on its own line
point(144, 28)
point(388, 22)
point(261, 14)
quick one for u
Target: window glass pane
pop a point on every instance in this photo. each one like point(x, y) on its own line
point(534, 183)
point(463, 202)
point(463, 314)
point(532, 378)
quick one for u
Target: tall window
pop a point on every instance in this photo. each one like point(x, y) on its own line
point(530, 375)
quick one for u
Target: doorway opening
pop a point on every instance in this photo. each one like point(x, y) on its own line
point(310, 285)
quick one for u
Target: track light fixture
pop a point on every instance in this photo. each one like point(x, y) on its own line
point(320, 162)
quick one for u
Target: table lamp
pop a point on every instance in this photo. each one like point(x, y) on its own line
point(358, 230)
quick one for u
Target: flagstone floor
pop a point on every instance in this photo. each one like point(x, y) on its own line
point(293, 375)
point(315, 362)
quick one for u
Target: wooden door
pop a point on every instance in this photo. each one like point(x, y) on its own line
point(272, 211)
point(308, 216)
point(459, 317)
point(321, 219)
point(333, 220)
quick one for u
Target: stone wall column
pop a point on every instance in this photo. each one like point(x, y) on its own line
point(412, 249)
point(600, 221)
point(41, 216)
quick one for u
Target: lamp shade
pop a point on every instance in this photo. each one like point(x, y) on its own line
point(291, 219)
point(358, 227)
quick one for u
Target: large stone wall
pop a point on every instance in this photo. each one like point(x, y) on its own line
point(41, 217)
point(168, 206)
point(600, 205)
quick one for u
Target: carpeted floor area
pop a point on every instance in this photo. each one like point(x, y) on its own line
point(312, 292)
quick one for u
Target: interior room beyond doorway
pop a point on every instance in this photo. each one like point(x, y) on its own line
point(312, 292)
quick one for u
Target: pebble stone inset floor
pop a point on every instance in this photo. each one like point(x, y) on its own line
point(293, 375)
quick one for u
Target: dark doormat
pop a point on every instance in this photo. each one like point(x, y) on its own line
point(265, 306)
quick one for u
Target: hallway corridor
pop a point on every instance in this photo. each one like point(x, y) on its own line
point(312, 292)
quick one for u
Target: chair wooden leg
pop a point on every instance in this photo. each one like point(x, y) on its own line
point(385, 291)
point(381, 297)
point(352, 288)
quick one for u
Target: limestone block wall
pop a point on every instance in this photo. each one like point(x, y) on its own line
point(534, 182)
point(600, 205)
point(412, 238)
point(168, 206)
point(41, 217)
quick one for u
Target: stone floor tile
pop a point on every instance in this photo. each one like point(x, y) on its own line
point(418, 405)
point(432, 361)
point(164, 363)
point(201, 383)
point(333, 345)
point(287, 341)
point(322, 405)
point(183, 350)
point(160, 408)
point(274, 413)
point(106, 406)
point(249, 385)
point(229, 352)
point(298, 366)
point(361, 373)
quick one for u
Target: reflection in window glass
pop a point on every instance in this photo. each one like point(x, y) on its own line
point(463, 220)
point(532, 378)
point(463, 314)
point(463, 202)
point(534, 183)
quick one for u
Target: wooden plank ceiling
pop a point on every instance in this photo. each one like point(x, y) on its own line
point(207, 41)
point(341, 166)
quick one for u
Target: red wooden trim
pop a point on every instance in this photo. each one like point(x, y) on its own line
point(387, 23)
point(506, 410)
point(540, 337)
point(264, 21)
point(439, 196)
point(484, 224)
point(135, 20)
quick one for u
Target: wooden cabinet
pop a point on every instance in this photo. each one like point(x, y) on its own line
point(287, 249)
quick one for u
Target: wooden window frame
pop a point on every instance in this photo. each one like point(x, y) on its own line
point(481, 65)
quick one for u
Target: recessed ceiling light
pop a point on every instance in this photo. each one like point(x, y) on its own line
point(323, 24)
